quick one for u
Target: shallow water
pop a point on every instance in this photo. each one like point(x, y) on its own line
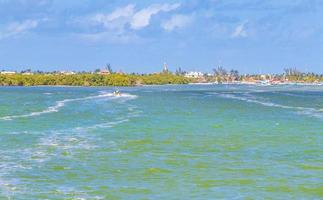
point(162, 142)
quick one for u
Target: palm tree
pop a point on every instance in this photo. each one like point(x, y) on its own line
point(220, 73)
point(109, 68)
point(234, 74)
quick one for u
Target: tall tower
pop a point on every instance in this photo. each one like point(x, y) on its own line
point(165, 67)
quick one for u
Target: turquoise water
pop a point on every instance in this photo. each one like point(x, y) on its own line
point(162, 142)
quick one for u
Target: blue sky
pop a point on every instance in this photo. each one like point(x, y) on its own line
point(253, 36)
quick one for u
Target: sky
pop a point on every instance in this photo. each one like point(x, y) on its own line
point(252, 36)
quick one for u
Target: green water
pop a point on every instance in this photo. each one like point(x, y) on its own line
point(162, 142)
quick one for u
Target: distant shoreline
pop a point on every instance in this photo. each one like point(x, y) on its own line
point(157, 85)
point(259, 84)
point(115, 79)
point(164, 78)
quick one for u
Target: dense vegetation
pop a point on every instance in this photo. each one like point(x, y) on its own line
point(109, 78)
point(289, 75)
point(293, 74)
point(88, 79)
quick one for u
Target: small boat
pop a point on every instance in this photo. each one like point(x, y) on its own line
point(117, 93)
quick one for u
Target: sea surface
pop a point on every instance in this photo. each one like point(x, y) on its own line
point(161, 142)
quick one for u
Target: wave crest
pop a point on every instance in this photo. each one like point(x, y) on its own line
point(300, 110)
point(61, 103)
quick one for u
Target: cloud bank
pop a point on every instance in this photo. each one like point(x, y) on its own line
point(142, 18)
point(177, 21)
point(19, 28)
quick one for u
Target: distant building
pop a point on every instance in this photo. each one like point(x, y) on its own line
point(263, 76)
point(266, 76)
point(8, 72)
point(165, 67)
point(104, 71)
point(194, 75)
point(27, 73)
point(120, 72)
point(67, 72)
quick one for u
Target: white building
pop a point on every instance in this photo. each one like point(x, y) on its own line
point(194, 75)
point(8, 72)
point(67, 72)
point(165, 67)
point(104, 71)
point(27, 73)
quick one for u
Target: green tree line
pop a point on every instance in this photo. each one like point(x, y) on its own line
point(87, 79)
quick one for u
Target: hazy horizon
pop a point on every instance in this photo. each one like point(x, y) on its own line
point(251, 36)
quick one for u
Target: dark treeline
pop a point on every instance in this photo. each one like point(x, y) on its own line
point(89, 79)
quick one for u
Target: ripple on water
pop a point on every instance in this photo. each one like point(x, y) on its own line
point(185, 146)
point(50, 148)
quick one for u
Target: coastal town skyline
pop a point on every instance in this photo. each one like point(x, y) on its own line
point(107, 76)
point(160, 68)
point(265, 37)
point(108, 69)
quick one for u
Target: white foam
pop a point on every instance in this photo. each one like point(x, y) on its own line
point(69, 140)
point(60, 104)
point(50, 109)
point(66, 142)
point(53, 144)
point(301, 110)
point(106, 125)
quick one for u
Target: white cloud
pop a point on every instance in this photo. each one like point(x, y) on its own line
point(116, 19)
point(177, 21)
point(122, 17)
point(120, 25)
point(142, 18)
point(240, 31)
point(17, 28)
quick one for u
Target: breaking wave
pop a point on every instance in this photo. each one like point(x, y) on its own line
point(61, 103)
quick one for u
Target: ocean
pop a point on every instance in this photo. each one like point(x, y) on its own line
point(161, 142)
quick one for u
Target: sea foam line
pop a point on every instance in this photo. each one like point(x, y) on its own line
point(52, 145)
point(301, 110)
point(60, 104)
